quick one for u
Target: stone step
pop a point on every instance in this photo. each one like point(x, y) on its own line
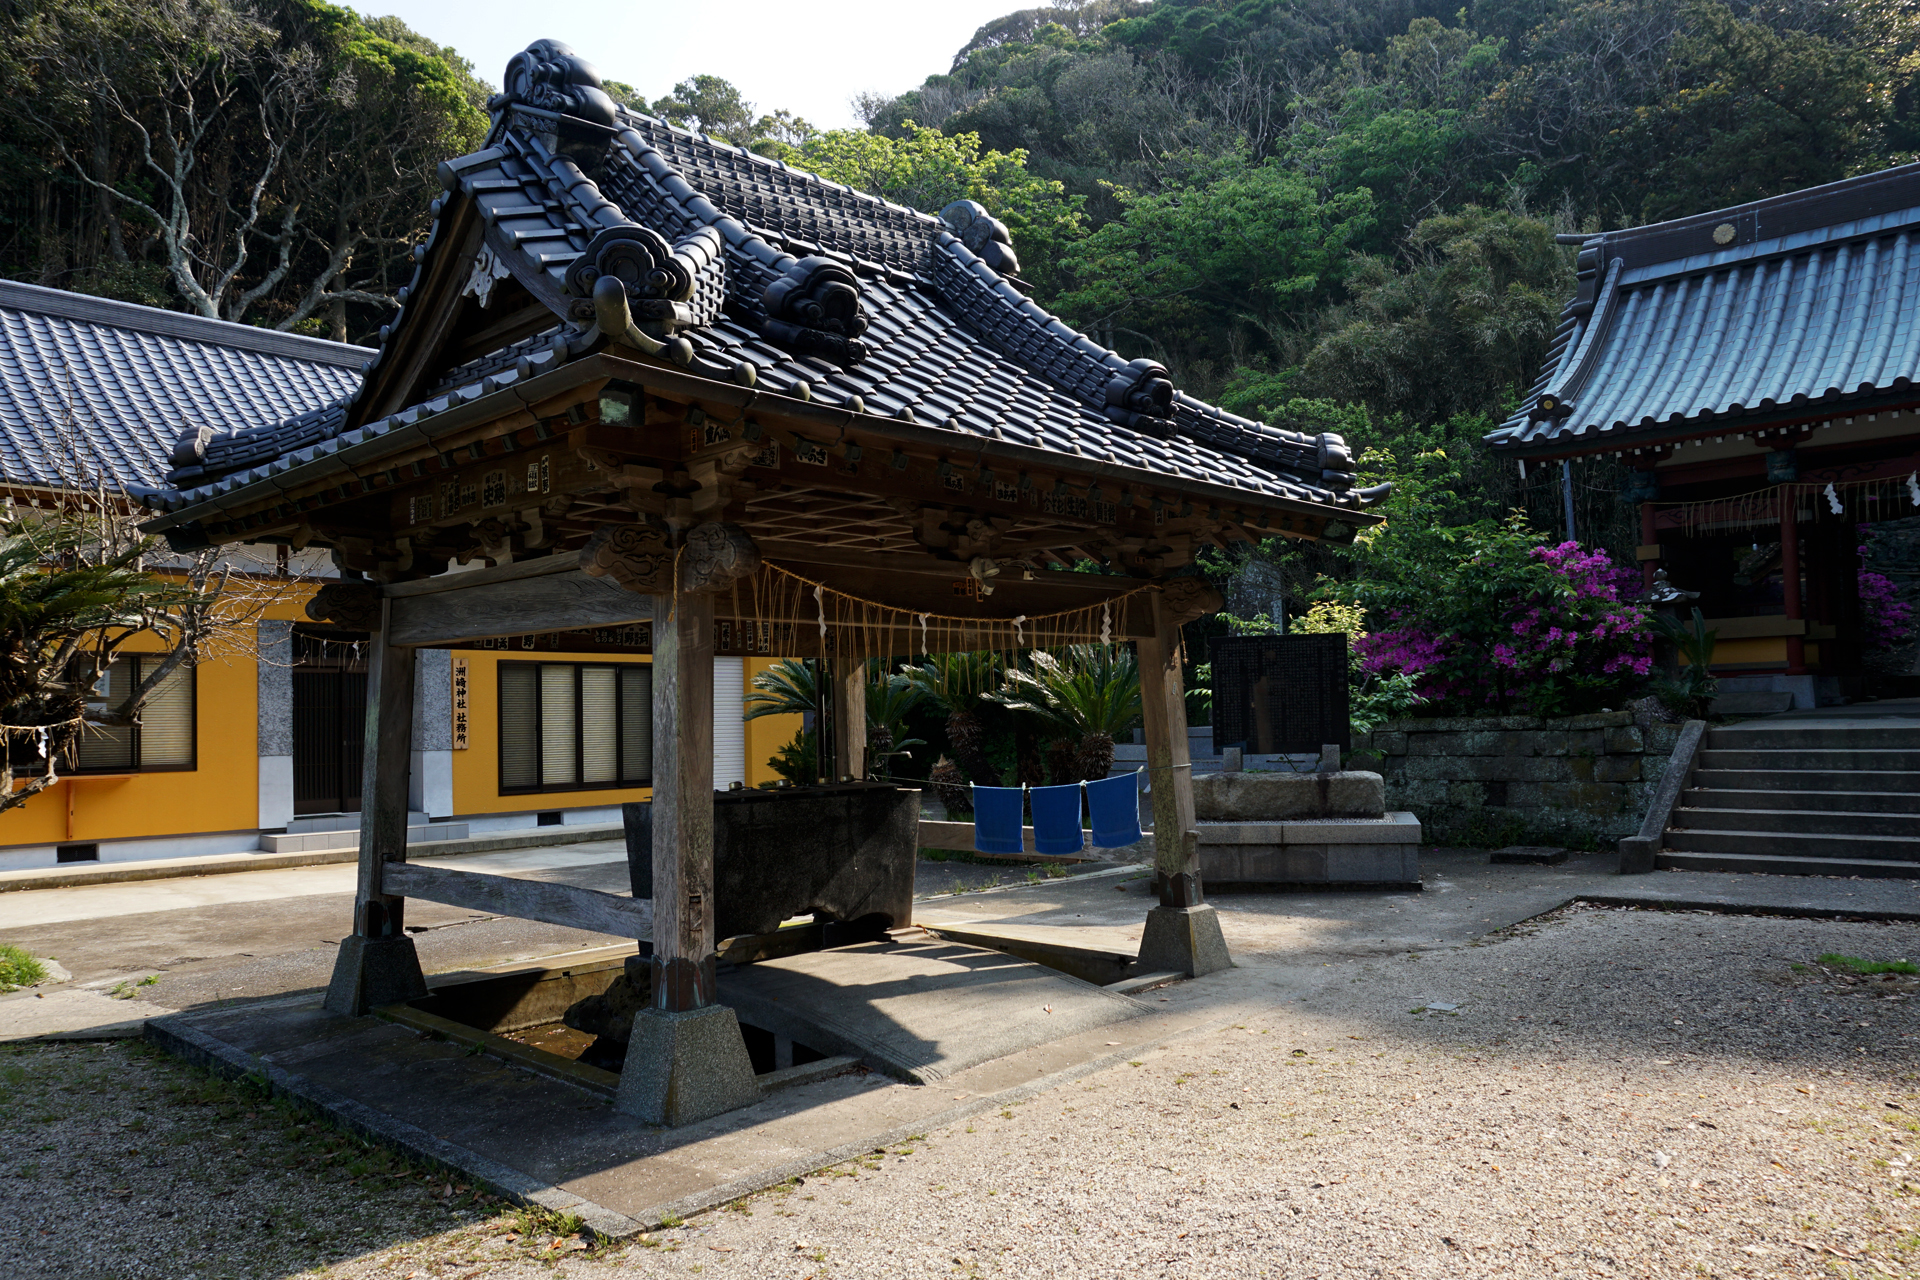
point(1764, 864)
point(1751, 702)
point(1810, 758)
point(311, 841)
point(1784, 844)
point(1832, 801)
point(1826, 822)
point(341, 822)
point(1842, 780)
point(1785, 735)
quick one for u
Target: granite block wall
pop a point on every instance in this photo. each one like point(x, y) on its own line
point(1499, 780)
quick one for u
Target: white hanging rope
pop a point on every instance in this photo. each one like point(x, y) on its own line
point(1019, 636)
point(925, 648)
point(820, 604)
point(1833, 499)
point(1913, 488)
point(1106, 623)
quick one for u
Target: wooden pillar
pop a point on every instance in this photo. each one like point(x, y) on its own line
point(683, 963)
point(686, 1059)
point(1790, 576)
point(1163, 711)
point(1649, 536)
point(1182, 934)
point(849, 719)
point(377, 965)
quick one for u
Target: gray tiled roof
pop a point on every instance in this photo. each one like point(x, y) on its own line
point(123, 382)
point(951, 343)
point(1794, 307)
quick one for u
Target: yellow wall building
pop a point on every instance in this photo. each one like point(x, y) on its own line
point(259, 751)
point(258, 748)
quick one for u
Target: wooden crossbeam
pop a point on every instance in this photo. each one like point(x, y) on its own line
point(569, 600)
point(561, 904)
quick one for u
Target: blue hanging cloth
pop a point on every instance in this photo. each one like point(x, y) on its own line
point(1056, 819)
point(996, 819)
point(1115, 806)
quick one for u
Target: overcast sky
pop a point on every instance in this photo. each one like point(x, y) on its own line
point(808, 58)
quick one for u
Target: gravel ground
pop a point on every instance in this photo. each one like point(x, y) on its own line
point(1616, 1093)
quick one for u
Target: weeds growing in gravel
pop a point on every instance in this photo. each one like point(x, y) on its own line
point(18, 969)
point(1866, 968)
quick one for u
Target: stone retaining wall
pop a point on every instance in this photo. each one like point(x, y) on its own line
point(1499, 780)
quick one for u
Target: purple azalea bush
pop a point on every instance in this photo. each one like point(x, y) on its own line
point(1885, 619)
point(1499, 622)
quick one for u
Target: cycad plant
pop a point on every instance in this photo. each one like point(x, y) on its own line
point(1695, 689)
point(889, 699)
point(958, 683)
point(789, 686)
point(792, 686)
point(1086, 694)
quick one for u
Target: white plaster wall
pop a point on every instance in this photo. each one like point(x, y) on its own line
point(27, 858)
point(430, 787)
point(276, 792)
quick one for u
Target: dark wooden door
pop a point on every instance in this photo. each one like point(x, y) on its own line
point(329, 721)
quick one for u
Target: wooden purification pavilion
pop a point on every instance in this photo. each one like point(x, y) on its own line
point(651, 387)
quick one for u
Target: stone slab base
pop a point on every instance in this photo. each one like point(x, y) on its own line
point(1327, 852)
point(1309, 864)
point(1532, 854)
point(370, 972)
point(685, 1067)
point(1183, 940)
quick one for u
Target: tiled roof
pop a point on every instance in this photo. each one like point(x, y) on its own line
point(119, 384)
point(950, 341)
point(1790, 308)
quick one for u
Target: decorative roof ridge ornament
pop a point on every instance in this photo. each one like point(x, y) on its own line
point(813, 308)
point(984, 235)
point(550, 76)
point(668, 286)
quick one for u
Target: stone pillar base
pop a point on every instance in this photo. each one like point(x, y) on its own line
point(1183, 940)
point(685, 1067)
point(370, 972)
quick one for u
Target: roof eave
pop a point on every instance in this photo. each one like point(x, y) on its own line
point(500, 404)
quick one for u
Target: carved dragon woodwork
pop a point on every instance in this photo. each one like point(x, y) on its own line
point(985, 236)
point(716, 556)
point(1189, 598)
point(353, 605)
point(550, 76)
point(636, 556)
point(813, 308)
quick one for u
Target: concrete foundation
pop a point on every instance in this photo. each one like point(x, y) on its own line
point(685, 1067)
point(1183, 940)
point(370, 972)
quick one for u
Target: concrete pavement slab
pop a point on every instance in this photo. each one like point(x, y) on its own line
point(73, 1014)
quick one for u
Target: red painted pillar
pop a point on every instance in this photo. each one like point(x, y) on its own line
point(1790, 575)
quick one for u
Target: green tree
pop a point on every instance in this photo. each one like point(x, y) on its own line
point(1238, 259)
point(928, 170)
point(711, 105)
point(1460, 326)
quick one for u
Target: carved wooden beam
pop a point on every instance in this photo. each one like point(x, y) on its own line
point(636, 557)
point(1190, 598)
point(353, 605)
point(716, 556)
